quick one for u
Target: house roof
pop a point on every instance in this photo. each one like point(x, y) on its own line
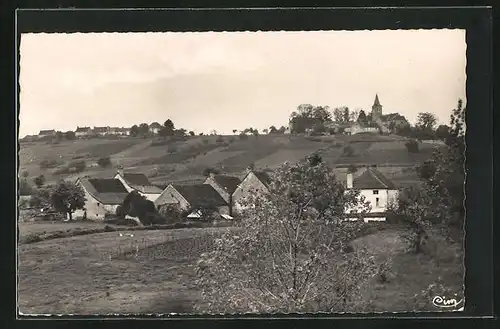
point(155, 125)
point(82, 129)
point(261, 175)
point(46, 132)
point(100, 129)
point(372, 179)
point(229, 183)
point(393, 116)
point(105, 190)
point(140, 182)
point(200, 195)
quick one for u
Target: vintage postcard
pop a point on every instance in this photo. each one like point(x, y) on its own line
point(241, 172)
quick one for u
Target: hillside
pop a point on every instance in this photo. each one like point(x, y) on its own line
point(169, 161)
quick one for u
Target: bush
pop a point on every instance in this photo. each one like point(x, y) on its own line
point(348, 150)
point(48, 164)
point(412, 146)
point(171, 214)
point(104, 162)
point(32, 238)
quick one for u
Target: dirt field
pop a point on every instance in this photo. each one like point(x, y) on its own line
point(41, 227)
point(153, 272)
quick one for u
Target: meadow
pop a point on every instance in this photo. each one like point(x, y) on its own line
point(171, 161)
point(154, 272)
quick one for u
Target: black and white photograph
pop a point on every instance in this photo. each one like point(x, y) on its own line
point(270, 172)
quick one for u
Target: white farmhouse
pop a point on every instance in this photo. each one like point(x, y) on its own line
point(377, 189)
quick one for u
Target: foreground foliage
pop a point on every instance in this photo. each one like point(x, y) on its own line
point(291, 254)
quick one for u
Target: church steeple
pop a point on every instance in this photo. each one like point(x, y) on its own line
point(376, 108)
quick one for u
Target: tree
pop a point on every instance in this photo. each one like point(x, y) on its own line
point(235, 131)
point(353, 115)
point(59, 136)
point(136, 205)
point(322, 114)
point(426, 122)
point(338, 114)
point(346, 115)
point(70, 135)
point(282, 130)
point(67, 197)
point(265, 131)
point(134, 131)
point(25, 174)
point(273, 130)
point(352, 169)
point(348, 150)
point(290, 254)
point(180, 132)
point(104, 162)
point(143, 129)
point(412, 146)
point(314, 159)
point(40, 198)
point(442, 132)
point(191, 133)
point(255, 132)
point(39, 180)
point(168, 128)
point(414, 207)
point(25, 188)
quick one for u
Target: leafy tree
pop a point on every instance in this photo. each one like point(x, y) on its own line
point(352, 169)
point(353, 115)
point(180, 132)
point(273, 130)
point(25, 188)
point(338, 114)
point(136, 205)
point(314, 159)
point(191, 133)
point(40, 198)
point(67, 197)
point(322, 114)
point(282, 130)
point(120, 212)
point(426, 120)
point(414, 207)
point(265, 131)
point(412, 146)
point(442, 132)
point(134, 131)
point(59, 135)
point(235, 131)
point(70, 135)
point(171, 213)
point(104, 162)
point(143, 129)
point(290, 254)
point(39, 180)
point(255, 132)
point(346, 115)
point(169, 125)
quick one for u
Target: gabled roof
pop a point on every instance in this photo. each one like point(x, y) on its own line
point(47, 132)
point(200, 195)
point(228, 183)
point(100, 129)
point(261, 175)
point(82, 129)
point(105, 190)
point(140, 182)
point(371, 178)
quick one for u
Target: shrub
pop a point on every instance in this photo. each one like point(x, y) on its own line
point(171, 213)
point(348, 150)
point(412, 146)
point(48, 164)
point(32, 238)
point(104, 162)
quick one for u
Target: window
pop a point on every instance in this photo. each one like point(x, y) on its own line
point(375, 191)
point(377, 202)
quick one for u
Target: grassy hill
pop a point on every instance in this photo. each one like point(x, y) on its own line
point(170, 161)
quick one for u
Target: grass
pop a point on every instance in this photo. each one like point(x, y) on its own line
point(154, 272)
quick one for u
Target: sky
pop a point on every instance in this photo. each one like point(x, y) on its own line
point(222, 81)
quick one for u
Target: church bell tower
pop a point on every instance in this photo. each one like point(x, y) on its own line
point(376, 109)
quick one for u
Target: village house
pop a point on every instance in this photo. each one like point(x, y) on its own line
point(102, 196)
point(140, 183)
point(155, 128)
point(377, 190)
point(46, 133)
point(82, 132)
point(117, 131)
point(193, 198)
point(253, 182)
point(224, 185)
point(101, 131)
point(357, 128)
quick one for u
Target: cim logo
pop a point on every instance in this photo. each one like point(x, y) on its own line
point(441, 301)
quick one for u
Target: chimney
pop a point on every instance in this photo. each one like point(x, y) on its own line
point(120, 171)
point(349, 180)
point(212, 175)
point(248, 170)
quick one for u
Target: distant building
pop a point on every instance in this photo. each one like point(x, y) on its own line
point(83, 132)
point(102, 196)
point(378, 190)
point(155, 128)
point(192, 198)
point(357, 128)
point(140, 183)
point(116, 131)
point(46, 133)
point(376, 109)
point(101, 131)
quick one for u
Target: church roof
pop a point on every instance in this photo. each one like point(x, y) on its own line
point(376, 102)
